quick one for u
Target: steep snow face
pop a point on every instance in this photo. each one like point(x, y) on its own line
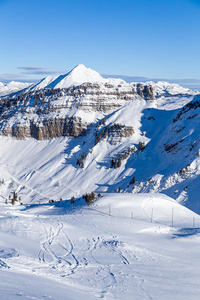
point(43, 83)
point(11, 87)
point(171, 158)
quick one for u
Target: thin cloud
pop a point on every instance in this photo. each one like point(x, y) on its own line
point(27, 74)
point(30, 70)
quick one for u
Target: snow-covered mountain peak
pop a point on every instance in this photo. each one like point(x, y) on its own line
point(80, 74)
point(12, 87)
point(81, 70)
point(77, 76)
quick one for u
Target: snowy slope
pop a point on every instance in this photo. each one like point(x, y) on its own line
point(171, 158)
point(63, 252)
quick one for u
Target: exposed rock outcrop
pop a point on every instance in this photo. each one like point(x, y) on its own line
point(48, 129)
point(114, 133)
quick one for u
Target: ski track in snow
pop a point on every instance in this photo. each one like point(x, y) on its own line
point(99, 260)
point(57, 252)
point(52, 246)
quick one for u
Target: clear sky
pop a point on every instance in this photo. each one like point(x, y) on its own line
point(150, 38)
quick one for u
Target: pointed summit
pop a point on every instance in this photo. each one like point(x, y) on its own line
point(78, 75)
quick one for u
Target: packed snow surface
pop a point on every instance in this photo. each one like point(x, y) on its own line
point(121, 247)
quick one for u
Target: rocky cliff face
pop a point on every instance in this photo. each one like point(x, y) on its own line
point(48, 129)
point(51, 113)
point(114, 133)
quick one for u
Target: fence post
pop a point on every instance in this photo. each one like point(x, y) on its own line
point(193, 222)
point(151, 215)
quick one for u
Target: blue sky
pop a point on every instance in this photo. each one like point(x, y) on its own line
point(155, 39)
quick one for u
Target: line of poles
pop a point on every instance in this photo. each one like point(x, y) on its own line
point(152, 215)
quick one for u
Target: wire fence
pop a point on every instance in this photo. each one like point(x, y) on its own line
point(173, 217)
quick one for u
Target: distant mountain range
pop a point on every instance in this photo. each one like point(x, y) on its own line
point(189, 83)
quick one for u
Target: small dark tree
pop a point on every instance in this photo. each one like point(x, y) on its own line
point(80, 162)
point(106, 132)
point(115, 164)
point(14, 198)
point(43, 100)
point(141, 146)
point(83, 155)
point(91, 198)
point(119, 190)
point(119, 163)
point(132, 180)
point(99, 195)
point(93, 195)
point(85, 197)
point(72, 200)
point(112, 163)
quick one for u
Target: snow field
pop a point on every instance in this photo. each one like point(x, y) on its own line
point(59, 251)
